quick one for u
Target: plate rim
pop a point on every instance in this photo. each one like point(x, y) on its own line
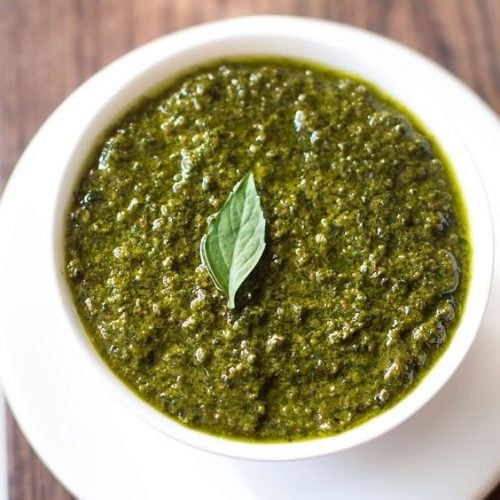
point(57, 468)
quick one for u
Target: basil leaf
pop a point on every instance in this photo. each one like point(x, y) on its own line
point(234, 242)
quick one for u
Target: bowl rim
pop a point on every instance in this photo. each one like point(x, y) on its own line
point(174, 47)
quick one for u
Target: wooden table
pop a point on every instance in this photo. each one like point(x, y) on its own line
point(48, 47)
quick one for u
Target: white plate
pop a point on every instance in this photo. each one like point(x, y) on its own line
point(450, 449)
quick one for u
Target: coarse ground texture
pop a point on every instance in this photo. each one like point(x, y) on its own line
point(365, 270)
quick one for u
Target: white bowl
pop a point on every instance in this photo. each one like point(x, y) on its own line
point(144, 69)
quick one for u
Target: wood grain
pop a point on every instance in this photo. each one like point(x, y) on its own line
point(48, 47)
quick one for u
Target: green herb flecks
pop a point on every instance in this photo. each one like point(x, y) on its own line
point(235, 242)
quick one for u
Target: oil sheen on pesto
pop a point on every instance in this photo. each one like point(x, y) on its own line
point(364, 274)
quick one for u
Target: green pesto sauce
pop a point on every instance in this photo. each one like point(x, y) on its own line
point(365, 271)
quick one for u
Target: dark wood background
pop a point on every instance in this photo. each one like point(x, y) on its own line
point(48, 47)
